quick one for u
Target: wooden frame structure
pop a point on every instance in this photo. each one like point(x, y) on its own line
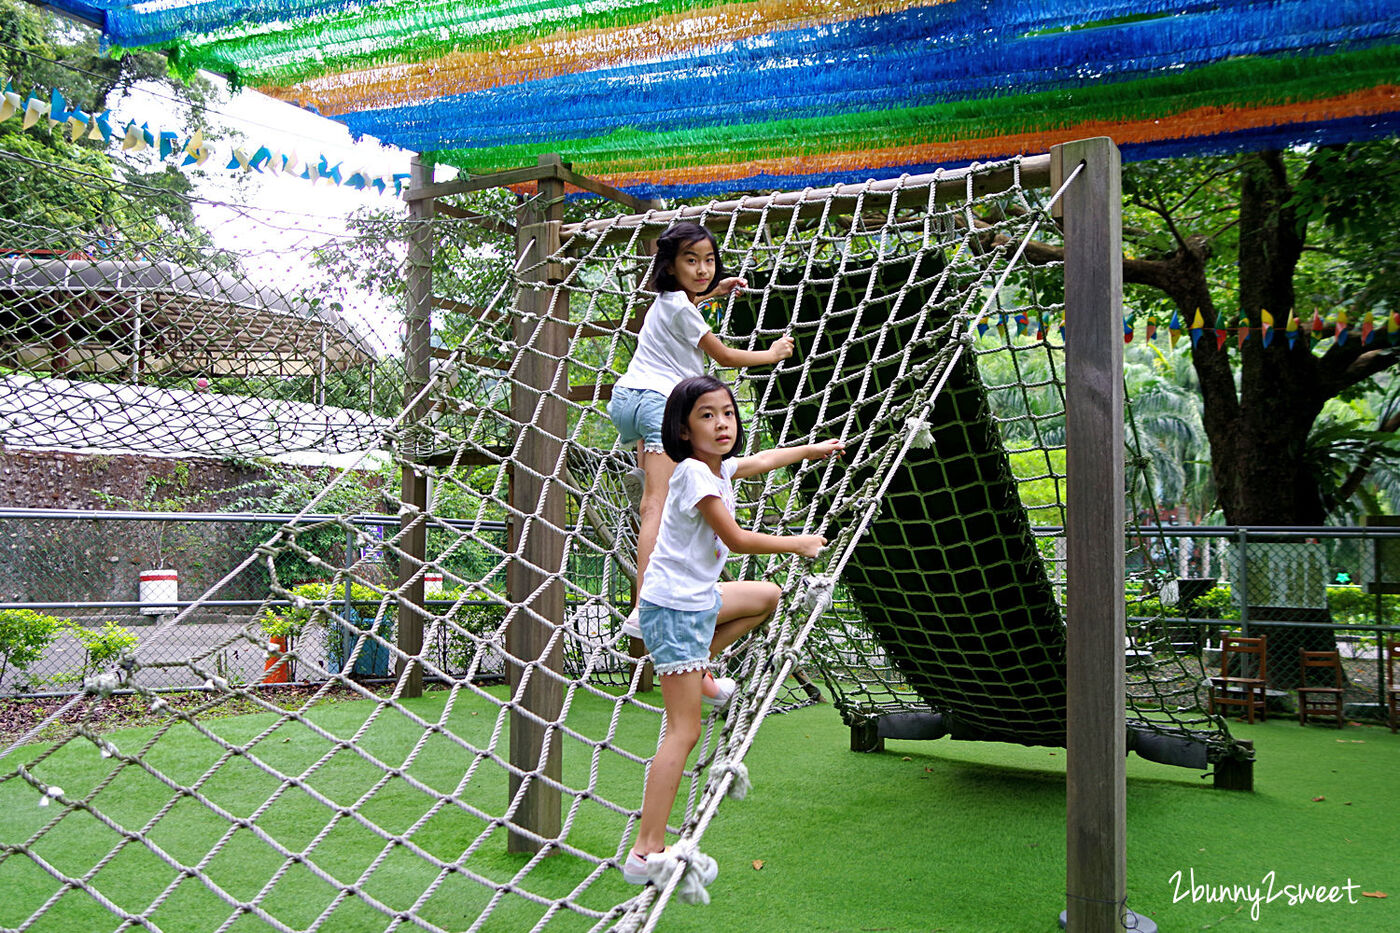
point(539, 384)
point(1091, 210)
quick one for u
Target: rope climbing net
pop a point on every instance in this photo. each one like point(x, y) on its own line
point(505, 799)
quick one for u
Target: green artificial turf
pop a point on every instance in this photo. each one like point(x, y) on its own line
point(922, 837)
point(971, 836)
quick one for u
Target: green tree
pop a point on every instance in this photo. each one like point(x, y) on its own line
point(1285, 232)
point(1166, 424)
point(60, 193)
point(1230, 237)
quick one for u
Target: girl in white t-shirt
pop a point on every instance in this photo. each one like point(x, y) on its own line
point(672, 345)
point(687, 615)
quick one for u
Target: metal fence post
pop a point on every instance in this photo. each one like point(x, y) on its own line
point(1244, 581)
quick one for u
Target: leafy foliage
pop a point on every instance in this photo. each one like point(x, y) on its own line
point(24, 637)
point(38, 49)
point(101, 646)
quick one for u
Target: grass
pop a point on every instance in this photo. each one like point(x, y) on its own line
point(923, 837)
point(971, 836)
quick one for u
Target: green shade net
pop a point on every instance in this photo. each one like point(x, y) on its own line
point(948, 576)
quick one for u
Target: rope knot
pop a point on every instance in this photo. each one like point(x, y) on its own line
point(789, 655)
point(700, 872)
point(103, 684)
point(922, 431)
point(817, 593)
point(741, 785)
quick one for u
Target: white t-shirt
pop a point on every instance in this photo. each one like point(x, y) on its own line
point(668, 345)
point(689, 556)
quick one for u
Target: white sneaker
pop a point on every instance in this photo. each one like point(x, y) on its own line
point(632, 625)
point(635, 868)
point(724, 687)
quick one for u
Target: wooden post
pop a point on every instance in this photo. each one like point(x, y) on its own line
point(1236, 773)
point(413, 490)
point(537, 403)
point(1094, 515)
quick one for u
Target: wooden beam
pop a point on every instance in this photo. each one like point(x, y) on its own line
point(911, 191)
point(472, 359)
point(1096, 730)
point(459, 307)
point(591, 393)
point(584, 329)
point(533, 579)
point(608, 191)
point(469, 183)
point(485, 221)
point(413, 486)
point(493, 456)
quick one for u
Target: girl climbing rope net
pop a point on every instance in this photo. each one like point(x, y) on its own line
point(688, 616)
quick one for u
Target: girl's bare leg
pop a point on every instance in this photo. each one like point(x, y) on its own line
point(681, 693)
point(743, 607)
point(658, 469)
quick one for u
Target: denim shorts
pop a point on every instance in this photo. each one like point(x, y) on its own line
point(636, 413)
point(678, 639)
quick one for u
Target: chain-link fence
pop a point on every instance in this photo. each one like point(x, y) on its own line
point(1304, 589)
point(79, 588)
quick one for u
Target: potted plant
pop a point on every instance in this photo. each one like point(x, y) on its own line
point(281, 628)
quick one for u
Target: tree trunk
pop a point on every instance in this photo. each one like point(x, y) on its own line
point(1258, 433)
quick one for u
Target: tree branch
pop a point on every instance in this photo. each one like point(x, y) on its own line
point(1363, 464)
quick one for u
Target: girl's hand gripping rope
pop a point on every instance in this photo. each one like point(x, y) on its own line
point(727, 286)
point(810, 545)
point(780, 349)
point(821, 450)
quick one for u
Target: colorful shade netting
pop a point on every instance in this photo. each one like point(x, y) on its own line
point(675, 97)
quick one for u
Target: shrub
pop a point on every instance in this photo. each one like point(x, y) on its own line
point(324, 603)
point(1352, 605)
point(102, 645)
point(24, 636)
point(1218, 603)
point(478, 616)
point(289, 621)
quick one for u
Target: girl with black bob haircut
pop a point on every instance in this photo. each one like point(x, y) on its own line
point(673, 344)
point(687, 616)
point(674, 434)
point(668, 247)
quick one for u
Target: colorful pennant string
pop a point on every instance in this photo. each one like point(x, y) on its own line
point(1337, 328)
point(192, 150)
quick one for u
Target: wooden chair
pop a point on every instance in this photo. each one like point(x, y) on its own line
point(1323, 700)
point(1241, 681)
point(1392, 692)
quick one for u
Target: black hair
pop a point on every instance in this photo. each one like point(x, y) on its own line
point(676, 420)
point(669, 246)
